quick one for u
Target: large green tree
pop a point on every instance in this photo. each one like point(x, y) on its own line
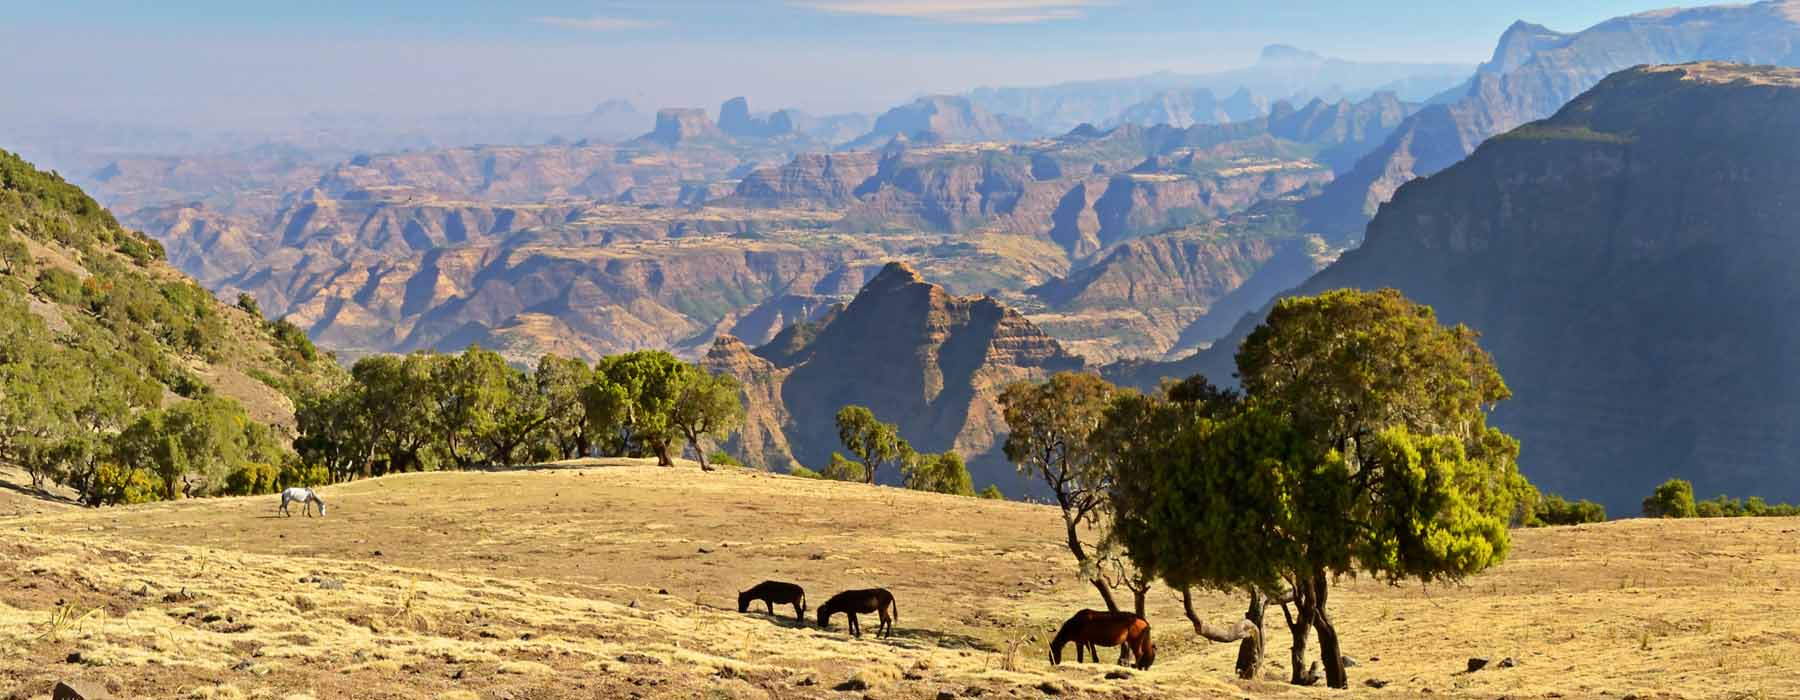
point(560, 381)
point(633, 398)
point(1363, 448)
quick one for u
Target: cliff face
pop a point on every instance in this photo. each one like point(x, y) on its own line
point(1632, 265)
point(1535, 71)
point(917, 356)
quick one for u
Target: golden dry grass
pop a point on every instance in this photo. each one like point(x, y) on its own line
point(549, 584)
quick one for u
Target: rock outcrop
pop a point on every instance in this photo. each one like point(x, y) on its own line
point(1632, 266)
point(677, 126)
point(917, 356)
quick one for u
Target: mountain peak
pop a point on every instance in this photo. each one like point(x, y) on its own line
point(894, 275)
point(1283, 53)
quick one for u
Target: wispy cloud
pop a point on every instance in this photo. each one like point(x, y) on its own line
point(961, 11)
point(596, 24)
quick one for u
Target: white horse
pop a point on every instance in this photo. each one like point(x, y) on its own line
point(306, 497)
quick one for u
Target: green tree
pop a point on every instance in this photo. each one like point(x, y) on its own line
point(517, 431)
point(992, 493)
point(1556, 510)
point(633, 398)
point(1049, 429)
point(1673, 499)
point(706, 405)
point(1362, 448)
point(469, 392)
point(939, 473)
point(560, 380)
point(872, 442)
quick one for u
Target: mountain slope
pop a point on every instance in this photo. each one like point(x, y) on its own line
point(931, 362)
point(1633, 267)
point(100, 300)
point(1533, 72)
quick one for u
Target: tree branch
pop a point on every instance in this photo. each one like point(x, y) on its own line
point(1239, 631)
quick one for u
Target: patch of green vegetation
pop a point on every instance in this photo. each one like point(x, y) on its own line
point(1540, 131)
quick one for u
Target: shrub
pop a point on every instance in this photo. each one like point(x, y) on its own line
point(992, 493)
point(723, 458)
point(59, 285)
point(251, 478)
point(1673, 499)
point(944, 473)
point(116, 484)
point(248, 303)
point(803, 472)
point(842, 469)
point(296, 473)
point(1555, 510)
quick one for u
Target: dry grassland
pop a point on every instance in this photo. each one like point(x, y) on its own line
point(619, 582)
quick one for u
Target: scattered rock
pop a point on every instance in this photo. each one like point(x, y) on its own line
point(704, 550)
point(913, 676)
point(946, 695)
point(77, 690)
point(642, 659)
point(1508, 662)
point(74, 657)
point(376, 553)
point(1349, 662)
point(852, 684)
point(1477, 663)
point(729, 672)
point(633, 604)
point(662, 591)
point(305, 603)
point(974, 692)
point(1049, 688)
point(244, 665)
point(1118, 675)
point(817, 556)
point(181, 596)
point(1375, 683)
point(807, 682)
point(458, 675)
point(1312, 675)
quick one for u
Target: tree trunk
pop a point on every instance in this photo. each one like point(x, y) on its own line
point(1250, 651)
point(662, 454)
point(1223, 634)
point(1081, 558)
point(1335, 675)
point(1299, 625)
point(694, 442)
point(582, 445)
point(1137, 600)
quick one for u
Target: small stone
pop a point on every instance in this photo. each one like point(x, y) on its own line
point(817, 556)
point(913, 676)
point(729, 672)
point(458, 675)
point(1349, 662)
point(1118, 675)
point(704, 550)
point(1477, 663)
point(77, 690)
point(662, 591)
point(642, 659)
point(244, 665)
point(1375, 683)
point(974, 692)
point(946, 695)
point(852, 684)
point(1049, 688)
point(376, 553)
point(807, 682)
point(74, 657)
point(1508, 662)
point(330, 584)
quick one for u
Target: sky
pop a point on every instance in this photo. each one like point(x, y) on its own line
point(229, 62)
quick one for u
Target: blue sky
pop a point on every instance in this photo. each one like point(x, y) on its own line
point(229, 61)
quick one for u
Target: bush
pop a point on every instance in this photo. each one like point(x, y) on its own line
point(116, 484)
point(59, 285)
point(943, 473)
point(1673, 499)
point(251, 478)
point(992, 493)
point(722, 458)
point(1555, 510)
point(803, 472)
point(295, 473)
point(842, 469)
point(248, 303)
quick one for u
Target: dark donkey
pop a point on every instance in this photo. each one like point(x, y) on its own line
point(852, 603)
point(1089, 628)
point(773, 592)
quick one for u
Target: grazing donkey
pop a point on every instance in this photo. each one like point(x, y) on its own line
point(851, 603)
point(772, 592)
point(306, 497)
point(1108, 629)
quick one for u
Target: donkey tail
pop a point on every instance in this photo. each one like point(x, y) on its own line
point(895, 604)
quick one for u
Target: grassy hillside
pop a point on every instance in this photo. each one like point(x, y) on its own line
point(108, 299)
point(619, 582)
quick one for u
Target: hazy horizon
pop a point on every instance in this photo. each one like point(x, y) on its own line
point(215, 65)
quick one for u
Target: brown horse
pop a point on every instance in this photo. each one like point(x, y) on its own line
point(772, 592)
point(1089, 628)
point(852, 603)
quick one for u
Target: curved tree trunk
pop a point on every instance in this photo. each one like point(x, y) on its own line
point(1335, 675)
point(1081, 557)
point(694, 442)
point(662, 454)
point(1224, 634)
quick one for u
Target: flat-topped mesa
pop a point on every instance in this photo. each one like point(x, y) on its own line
point(809, 181)
point(679, 125)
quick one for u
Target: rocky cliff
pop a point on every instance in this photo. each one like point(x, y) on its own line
point(916, 355)
point(1632, 265)
point(1535, 71)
